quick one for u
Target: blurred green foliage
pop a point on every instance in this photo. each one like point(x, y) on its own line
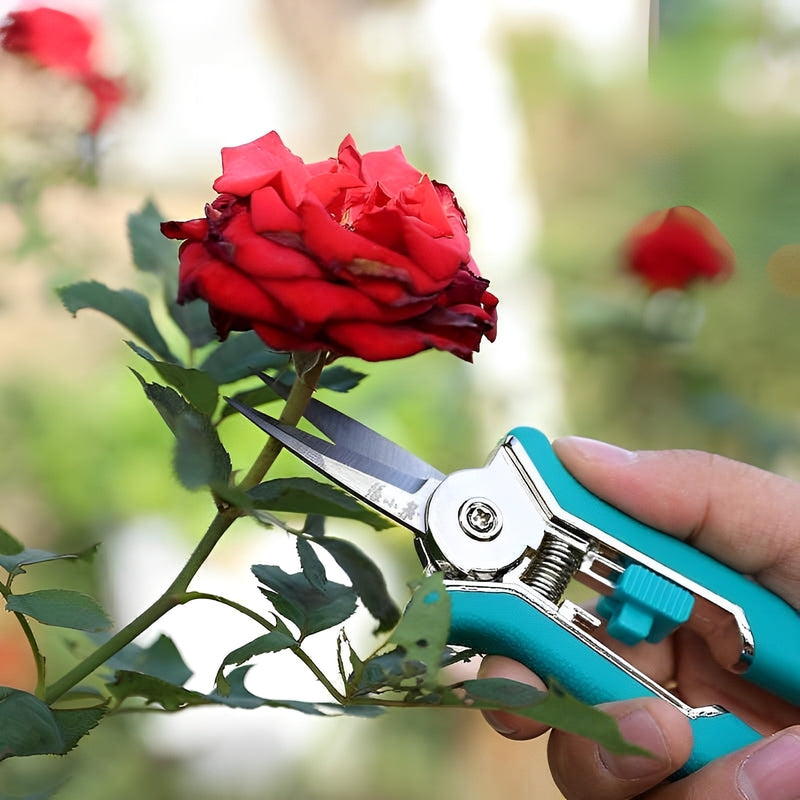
point(605, 156)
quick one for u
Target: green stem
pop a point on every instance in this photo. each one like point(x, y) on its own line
point(295, 407)
point(296, 403)
point(187, 597)
point(168, 600)
point(38, 658)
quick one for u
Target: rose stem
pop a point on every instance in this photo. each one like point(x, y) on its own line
point(296, 403)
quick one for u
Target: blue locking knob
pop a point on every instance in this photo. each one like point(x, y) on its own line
point(644, 606)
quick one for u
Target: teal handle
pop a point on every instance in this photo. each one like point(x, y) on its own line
point(774, 623)
point(505, 624)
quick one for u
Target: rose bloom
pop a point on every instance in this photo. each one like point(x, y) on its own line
point(358, 255)
point(62, 43)
point(673, 248)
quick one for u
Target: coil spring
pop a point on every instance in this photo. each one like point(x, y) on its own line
point(551, 568)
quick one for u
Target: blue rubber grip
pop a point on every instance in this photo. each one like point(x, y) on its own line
point(505, 624)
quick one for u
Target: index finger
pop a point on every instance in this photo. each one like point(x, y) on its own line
point(741, 515)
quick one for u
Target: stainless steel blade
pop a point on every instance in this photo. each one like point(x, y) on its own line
point(398, 495)
point(355, 436)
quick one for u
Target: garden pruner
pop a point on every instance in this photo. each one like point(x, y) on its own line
point(509, 537)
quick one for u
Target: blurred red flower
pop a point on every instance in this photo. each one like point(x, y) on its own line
point(62, 43)
point(358, 255)
point(673, 248)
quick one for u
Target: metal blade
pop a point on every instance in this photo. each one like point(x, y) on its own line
point(344, 430)
point(392, 492)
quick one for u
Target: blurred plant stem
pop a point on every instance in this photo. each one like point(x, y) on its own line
point(176, 593)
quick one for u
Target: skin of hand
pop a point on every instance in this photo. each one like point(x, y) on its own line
point(743, 516)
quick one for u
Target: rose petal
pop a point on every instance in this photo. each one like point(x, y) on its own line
point(190, 229)
point(225, 288)
point(288, 341)
point(375, 342)
point(269, 212)
point(316, 302)
point(328, 186)
point(390, 169)
point(260, 257)
point(421, 201)
point(250, 166)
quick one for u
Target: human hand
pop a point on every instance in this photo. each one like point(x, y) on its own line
point(744, 517)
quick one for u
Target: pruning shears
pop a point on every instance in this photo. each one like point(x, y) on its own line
point(509, 537)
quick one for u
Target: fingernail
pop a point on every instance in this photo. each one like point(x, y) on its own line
point(498, 724)
point(640, 729)
point(773, 771)
point(593, 450)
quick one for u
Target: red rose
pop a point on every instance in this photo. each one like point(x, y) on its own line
point(62, 43)
point(359, 255)
point(673, 248)
point(54, 39)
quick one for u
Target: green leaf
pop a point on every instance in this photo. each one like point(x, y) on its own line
point(555, 708)
point(162, 659)
point(424, 626)
point(241, 356)
point(169, 404)
point(14, 563)
point(75, 723)
point(311, 608)
point(238, 696)
point(152, 252)
point(312, 567)
point(196, 386)
point(367, 580)
point(127, 307)
point(127, 684)
point(62, 608)
point(193, 318)
point(27, 726)
point(271, 642)
point(415, 651)
point(199, 457)
point(172, 698)
point(340, 379)
point(308, 496)
point(9, 546)
point(150, 249)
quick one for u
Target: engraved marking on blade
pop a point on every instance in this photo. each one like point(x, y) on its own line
point(378, 494)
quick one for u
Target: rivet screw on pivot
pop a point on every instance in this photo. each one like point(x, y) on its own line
point(480, 519)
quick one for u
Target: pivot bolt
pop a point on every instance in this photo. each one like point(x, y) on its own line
point(480, 519)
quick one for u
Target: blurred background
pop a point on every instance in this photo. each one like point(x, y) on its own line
point(559, 126)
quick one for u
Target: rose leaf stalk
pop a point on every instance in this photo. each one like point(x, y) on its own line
point(293, 410)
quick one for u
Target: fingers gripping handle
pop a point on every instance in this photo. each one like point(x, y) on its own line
point(771, 620)
point(505, 624)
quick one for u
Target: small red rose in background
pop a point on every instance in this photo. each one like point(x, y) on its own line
point(62, 43)
point(673, 248)
point(358, 255)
